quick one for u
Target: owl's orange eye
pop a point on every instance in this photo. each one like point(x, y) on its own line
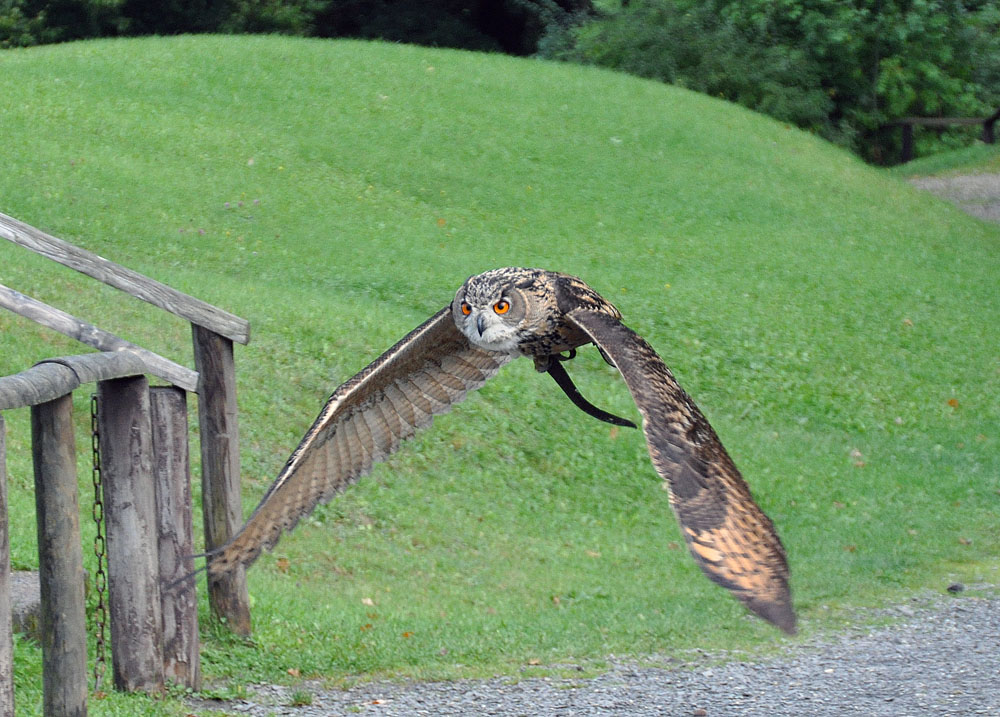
point(501, 307)
point(466, 309)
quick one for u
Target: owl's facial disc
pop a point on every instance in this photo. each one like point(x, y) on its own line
point(487, 316)
point(486, 329)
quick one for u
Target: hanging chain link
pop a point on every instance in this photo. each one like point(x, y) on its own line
point(101, 577)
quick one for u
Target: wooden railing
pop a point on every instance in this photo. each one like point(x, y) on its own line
point(146, 482)
point(908, 123)
point(144, 454)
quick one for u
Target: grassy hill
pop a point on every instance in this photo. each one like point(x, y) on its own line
point(837, 327)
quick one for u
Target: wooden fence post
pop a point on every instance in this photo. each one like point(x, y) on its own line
point(907, 149)
point(130, 519)
point(989, 128)
point(60, 559)
point(172, 471)
point(6, 633)
point(220, 469)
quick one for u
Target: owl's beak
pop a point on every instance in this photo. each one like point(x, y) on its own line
point(481, 324)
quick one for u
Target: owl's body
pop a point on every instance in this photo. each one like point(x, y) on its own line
point(494, 318)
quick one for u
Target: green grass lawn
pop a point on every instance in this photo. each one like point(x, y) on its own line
point(837, 327)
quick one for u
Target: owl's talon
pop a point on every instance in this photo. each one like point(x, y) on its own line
point(556, 371)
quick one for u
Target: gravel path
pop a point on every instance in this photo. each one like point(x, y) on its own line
point(978, 194)
point(940, 657)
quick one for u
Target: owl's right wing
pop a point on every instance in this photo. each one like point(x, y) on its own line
point(729, 536)
point(427, 372)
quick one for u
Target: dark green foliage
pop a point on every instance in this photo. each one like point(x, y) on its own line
point(841, 69)
point(511, 26)
point(442, 23)
point(32, 22)
point(147, 17)
point(271, 16)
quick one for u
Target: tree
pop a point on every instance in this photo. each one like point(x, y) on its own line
point(31, 22)
point(840, 69)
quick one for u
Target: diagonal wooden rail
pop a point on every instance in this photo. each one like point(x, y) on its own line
point(131, 282)
point(78, 329)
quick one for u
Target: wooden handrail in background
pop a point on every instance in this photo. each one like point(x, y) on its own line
point(908, 123)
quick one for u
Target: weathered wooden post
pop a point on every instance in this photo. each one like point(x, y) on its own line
point(6, 633)
point(172, 471)
point(60, 558)
point(220, 468)
point(907, 149)
point(989, 128)
point(130, 518)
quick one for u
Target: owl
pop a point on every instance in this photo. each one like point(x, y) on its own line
point(494, 318)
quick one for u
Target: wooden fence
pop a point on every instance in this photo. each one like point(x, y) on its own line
point(145, 487)
point(908, 123)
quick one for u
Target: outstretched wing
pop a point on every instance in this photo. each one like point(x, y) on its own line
point(362, 423)
point(730, 537)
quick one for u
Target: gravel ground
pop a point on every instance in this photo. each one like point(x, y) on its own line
point(941, 656)
point(978, 194)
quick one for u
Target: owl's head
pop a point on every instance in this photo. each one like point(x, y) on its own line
point(492, 308)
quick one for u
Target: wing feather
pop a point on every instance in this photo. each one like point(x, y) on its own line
point(729, 536)
point(421, 402)
point(365, 438)
point(380, 438)
point(402, 408)
point(394, 423)
point(363, 422)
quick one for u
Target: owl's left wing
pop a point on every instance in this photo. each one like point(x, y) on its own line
point(729, 536)
point(427, 372)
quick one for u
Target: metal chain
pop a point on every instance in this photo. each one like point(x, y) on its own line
point(101, 577)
